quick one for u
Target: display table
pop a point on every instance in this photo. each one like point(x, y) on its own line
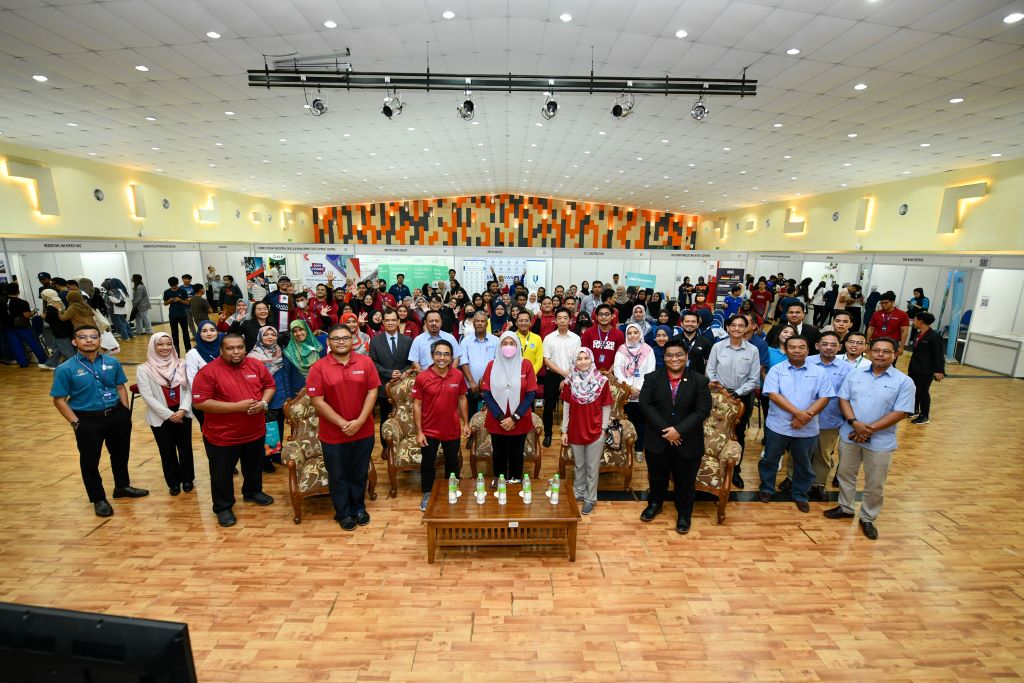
point(468, 523)
point(1001, 352)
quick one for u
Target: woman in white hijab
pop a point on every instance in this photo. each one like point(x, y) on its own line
point(508, 388)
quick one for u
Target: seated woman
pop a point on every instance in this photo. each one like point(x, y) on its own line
point(638, 318)
point(164, 387)
point(267, 351)
point(662, 333)
point(302, 351)
point(360, 340)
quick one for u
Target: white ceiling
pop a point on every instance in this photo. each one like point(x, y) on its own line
point(914, 55)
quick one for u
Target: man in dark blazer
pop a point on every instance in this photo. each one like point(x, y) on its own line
point(795, 312)
point(927, 363)
point(389, 351)
point(674, 401)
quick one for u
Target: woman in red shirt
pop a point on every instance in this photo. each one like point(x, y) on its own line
point(508, 388)
point(586, 407)
point(407, 324)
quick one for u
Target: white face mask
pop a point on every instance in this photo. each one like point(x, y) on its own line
point(300, 304)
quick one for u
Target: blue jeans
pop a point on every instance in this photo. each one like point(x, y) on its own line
point(348, 465)
point(18, 337)
point(800, 448)
point(121, 326)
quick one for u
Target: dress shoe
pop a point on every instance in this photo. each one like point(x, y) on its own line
point(547, 441)
point(175, 490)
point(786, 484)
point(837, 513)
point(803, 505)
point(835, 482)
point(258, 498)
point(348, 523)
point(818, 493)
point(869, 530)
point(187, 487)
point(737, 480)
point(650, 512)
point(102, 508)
point(920, 420)
point(130, 492)
point(683, 525)
point(764, 497)
point(268, 466)
point(226, 518)
point(363, 518)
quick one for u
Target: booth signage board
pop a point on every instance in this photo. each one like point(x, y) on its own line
point(602, 253)
point(782, 257)
point(698, 255)
point(296, 248)
point(642, 280)
point(726, 278)
point(397, 250)
point(58, 244)
point(506, 252)
point(840, 258)
point(161, 246)
point(928, 260)
point(1001, 262)
point(237, 246)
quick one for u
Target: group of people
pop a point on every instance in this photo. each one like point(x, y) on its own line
point(501, 351)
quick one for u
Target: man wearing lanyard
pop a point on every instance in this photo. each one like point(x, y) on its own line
point(420, 353)
point(889, 322)
point(603, 339)
point(698, 346)
point(477, 351)
point(282, 307)
point(560, 349)
point(88, 391)
point(873, 399)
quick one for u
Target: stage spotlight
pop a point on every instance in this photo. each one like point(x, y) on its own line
point(550, 109)
point(392, 106)
point(623, 106)
point(700, 109)
point(467, 109)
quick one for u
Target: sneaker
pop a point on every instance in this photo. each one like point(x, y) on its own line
point(44, 366)
point(423, 503)
point(920, 420)
point(514, 481)
point(587, 508)
point(913, 416)
point(639, 456)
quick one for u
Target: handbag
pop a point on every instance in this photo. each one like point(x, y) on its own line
point(108, 343)
point(613, 434)
point(101, 321)
point(272, 440)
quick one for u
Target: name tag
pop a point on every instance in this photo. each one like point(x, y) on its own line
point(108, 395)
point(172, 394)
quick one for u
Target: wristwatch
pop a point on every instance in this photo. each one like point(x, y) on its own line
point(851, 421)
point(515, 417)
point(74, 424)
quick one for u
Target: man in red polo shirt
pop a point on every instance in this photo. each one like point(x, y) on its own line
point(603, 339)
point(343, 389)
point(438, 399)
point(889, 321)
point(233, 391)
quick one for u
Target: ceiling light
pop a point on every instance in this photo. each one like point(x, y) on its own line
point(792, 51)
point(847, 164)
point(699, 111)
point(40, 78)
point(92, 154)
point(996, 154)
point(623, 106)
point(212, 165)
point(282, 140)
point(681, 33)
point(906, 173)
point(861, 86)
point(151, 118)
point(565, 16)
point(73, 125)
point(639, 158)
point(776, 125)
point(141, 67)
point(956, 100)
point(1013, 18)
point(926, 144)
point(331, 24)
point(155, 149)
point(727, 149)
point(212, 34)
point(851, 135)
point(550, 108)
point(787, 156)
point(664, 141)
point(448, 14)
point(392, 106)
point(266, 161)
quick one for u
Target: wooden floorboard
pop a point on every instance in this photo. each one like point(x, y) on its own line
point(771, 595)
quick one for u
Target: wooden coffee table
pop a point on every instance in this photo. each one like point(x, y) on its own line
point(468, 523)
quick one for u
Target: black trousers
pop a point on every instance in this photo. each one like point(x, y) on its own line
point(670, 462)
point(174, 441)
point(429, 458)
point(922, 397)
point(552, 383)
point(508, 453)
point(200, 417)
point(348, 466)
point(744, 422)
point(634, 415)
point(222, 465)
point(179, 326)
point(116, 431)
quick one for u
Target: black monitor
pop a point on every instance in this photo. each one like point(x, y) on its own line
point(42, 644)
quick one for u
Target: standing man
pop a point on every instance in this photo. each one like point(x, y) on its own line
point(842, 322)
point(389, 351)
point(177, 300)
point(698, 346)
point(545, 322)
point(873, 399)
point(736, 365)
point(399, 290)
point(560, 349)
point(438, 401)
point(889, 322)
point(590, 303)
point(798, 393)
point(186, 284)
point(343, 388)
point(21, 331)
point(854, 345)
point(927, 363)
point(795, 316)
point(88, 391)
point(199, 307)
point(419, 353)
point(230, 295)
point(477, 351)
point(529, 342)
point(282, 307)
point(733, 300)
point(674, 400)
point(604, 339)
point(234, 392)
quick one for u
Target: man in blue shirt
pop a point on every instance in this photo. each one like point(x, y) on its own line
point(733, 301)
point(420, 353)
point(88, 390)
point(798, 393)
point(873, 400)
point(399, 290)
point(477, 351)
point(177, 301)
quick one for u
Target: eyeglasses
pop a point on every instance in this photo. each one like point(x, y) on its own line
point(674, 356)
point(338, 340)
point(442, 354)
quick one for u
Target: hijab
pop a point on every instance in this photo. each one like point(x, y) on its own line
point(359, 338)
point(636, 353)
point(77, 305)
point(506, 380)
point(620, 295)
point(499, 321)
point(168, 371)
point(51, 298)
point(86, 285)
point(115, 284)
point(659, 351)
point(303, 354)
point(587, 386)
point(654, 306)
point(643, 324)
point(673, 312)
point(269, 355)
point(208, 351)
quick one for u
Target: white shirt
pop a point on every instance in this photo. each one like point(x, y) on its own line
point(637, 382)
point(193, 364)
point(152, 395)
point(562, 350)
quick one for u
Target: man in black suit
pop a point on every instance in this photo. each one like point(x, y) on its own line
point(795, 317)
point(927, 363)
point(674, 401)
point(389, 351)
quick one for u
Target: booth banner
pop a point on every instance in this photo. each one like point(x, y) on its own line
point(956, 289)
point(477, 272)
point(255, 280)
point(415, 274)
point(726, 278)
point(641, 280)
point(317, 269)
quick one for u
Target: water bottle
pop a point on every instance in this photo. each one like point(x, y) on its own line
point(453, 489)
point(502, 490)
point(554, 490)
point(481, 491)
point(527, 489)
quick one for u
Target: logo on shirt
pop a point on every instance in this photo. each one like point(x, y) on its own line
point(80, 373)
point(251, 377)
point(358, 372)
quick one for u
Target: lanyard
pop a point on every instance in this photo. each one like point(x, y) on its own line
point(885, 321)
point(92, 372)
point(673, 385)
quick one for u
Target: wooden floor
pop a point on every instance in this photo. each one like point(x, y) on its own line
point(772, 595)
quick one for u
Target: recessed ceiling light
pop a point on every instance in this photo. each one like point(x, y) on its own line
point(448, 14)
point(346, 135)
point(1013, 18)
point(842, 185)
point(776, 125)
point(141, 67)
point(565, 16)
point(793, 178)
point(600, 132)
point(212, 34)
point(426, 149)
point(727, 149)
point(159, 170)
point(926, 144)
point(692, 165)
point(861, 86)
point(539, 124)
point(155, 149)
point(331, 24)
point(40, 78)
point(319, 158)
point(266, 161)
point(410, 128)
point(282, 140)
point(996, 154)
point(218, 144)
point(476, 123)
point(212, 165)
point(229, 113)
point(743, 173)
point(73, 125)
point(788, 156)
point(151, 118)
point(92, 154)
point(851, 135)
point(956, 100)
point(906, 173)
point(681, 33)
point(847, 164)
point(792, 51)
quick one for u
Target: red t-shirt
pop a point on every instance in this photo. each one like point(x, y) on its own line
point(761, 300)
point(527, 382)
point(547, 325)
point(344, 386)
point(889, 324)
point(220, 381)
point(440, 398)
point(603, 344)
point(585, 419)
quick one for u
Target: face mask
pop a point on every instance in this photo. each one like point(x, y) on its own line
point(300, 304)
point(508, 351)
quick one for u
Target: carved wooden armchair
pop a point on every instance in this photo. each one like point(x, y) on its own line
point(721, 450)
point(480, 449)
point(307, 474)
point(615, 461)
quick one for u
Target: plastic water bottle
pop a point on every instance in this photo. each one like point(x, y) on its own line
point(481, 490)
point(555, 484)
point(502, 490)
point(527, 489)
point(453, 489)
